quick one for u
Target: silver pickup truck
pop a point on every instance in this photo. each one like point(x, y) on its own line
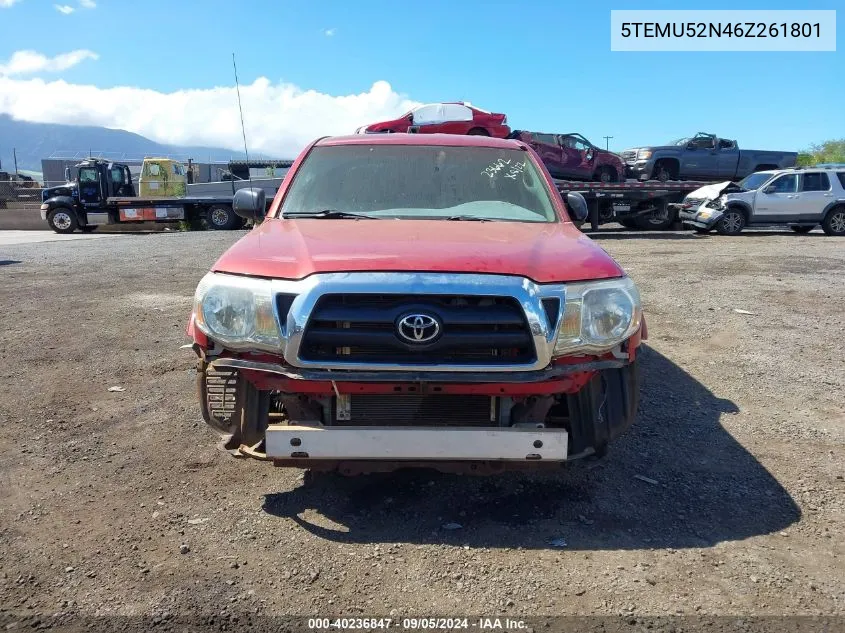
point(701, 157)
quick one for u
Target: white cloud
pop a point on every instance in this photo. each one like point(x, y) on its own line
point(330, 32)
point(87, 4)
point(5, 4)
point(64, 8)
point(29, 62)
point(280, 118)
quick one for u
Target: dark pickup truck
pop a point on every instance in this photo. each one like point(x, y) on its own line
point(702, 157)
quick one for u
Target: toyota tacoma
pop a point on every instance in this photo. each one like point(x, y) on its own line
point(416, 300)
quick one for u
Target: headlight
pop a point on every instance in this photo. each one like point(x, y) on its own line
point(705, 215)
point(237, 311)
point(598, 316)
point(643, 154)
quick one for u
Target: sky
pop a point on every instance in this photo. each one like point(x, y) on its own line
point(310, 68)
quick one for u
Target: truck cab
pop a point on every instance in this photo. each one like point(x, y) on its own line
point(81, 201)
point(162, 177)
point(95, 181)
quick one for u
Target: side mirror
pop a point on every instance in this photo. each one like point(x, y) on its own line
point(578, 205)
point(250, 203)
point(690, 145)
point(67, 174)
point(769, 189)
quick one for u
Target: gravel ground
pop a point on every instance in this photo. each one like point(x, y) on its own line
point(726, 497)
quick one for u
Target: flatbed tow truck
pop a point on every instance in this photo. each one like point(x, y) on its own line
point(103, 193)
point(636, 204)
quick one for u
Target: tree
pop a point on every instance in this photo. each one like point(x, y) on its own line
point(832, 151)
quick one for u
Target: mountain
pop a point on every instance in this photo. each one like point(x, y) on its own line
point(34, 141)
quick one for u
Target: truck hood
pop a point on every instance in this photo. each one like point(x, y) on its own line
point(654, 148)
point(294, 249)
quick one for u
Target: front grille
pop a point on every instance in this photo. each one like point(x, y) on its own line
point(693, 202)
point(417, 410)
point(629, 157)
point(362, 328)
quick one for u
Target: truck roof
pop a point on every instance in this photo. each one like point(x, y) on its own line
point(446, 140)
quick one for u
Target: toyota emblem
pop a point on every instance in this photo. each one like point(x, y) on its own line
point(418, 328)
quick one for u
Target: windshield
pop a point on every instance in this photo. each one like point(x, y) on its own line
point(754, 181)
point(681, 141)
point(421, 182)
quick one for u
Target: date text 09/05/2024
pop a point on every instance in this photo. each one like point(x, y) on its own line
point(494, 623)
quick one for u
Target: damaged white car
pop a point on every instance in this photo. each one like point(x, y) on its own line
point(799, 198)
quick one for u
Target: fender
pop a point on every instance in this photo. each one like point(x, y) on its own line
point(741, 204)
point(60, 201)
point(836, 203)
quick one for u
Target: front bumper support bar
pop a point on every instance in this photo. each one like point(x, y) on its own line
point(414, 443)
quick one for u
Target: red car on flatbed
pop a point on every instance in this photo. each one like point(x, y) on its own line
point(417, 301)
point(444, 118)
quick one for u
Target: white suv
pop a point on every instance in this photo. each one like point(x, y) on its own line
point(801, 198)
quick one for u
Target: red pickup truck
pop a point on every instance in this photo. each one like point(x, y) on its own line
point(416, 300)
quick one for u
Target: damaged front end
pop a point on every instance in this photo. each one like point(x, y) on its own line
point(517, 374)
point(704, 207)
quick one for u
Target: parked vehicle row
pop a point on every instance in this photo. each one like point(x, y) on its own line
point(799, 198)
point(660, 177)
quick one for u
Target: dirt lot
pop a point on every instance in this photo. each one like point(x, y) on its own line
point(740, 439)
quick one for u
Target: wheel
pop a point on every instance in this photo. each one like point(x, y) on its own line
point(222, 218)
point(658, 220)
point(88, 228)
point(605, 174)
point(834, 223)
point(802, 229)
point(663, 171)
point(731, 223)
point(62, 220)
point(478, 131)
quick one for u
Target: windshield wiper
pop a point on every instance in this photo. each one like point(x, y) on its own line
point(328, 214)
point(470, 218)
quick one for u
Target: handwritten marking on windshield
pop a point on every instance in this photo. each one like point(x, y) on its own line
point(510, 168)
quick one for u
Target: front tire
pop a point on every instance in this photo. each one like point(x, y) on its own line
point(731, 223)
point(62, 220)
point(834, 223)
point(664, 171)
point(605, 174)
point(222, 218)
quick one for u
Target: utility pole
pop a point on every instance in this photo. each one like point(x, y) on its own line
point(15, 158)
point(607, 142)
